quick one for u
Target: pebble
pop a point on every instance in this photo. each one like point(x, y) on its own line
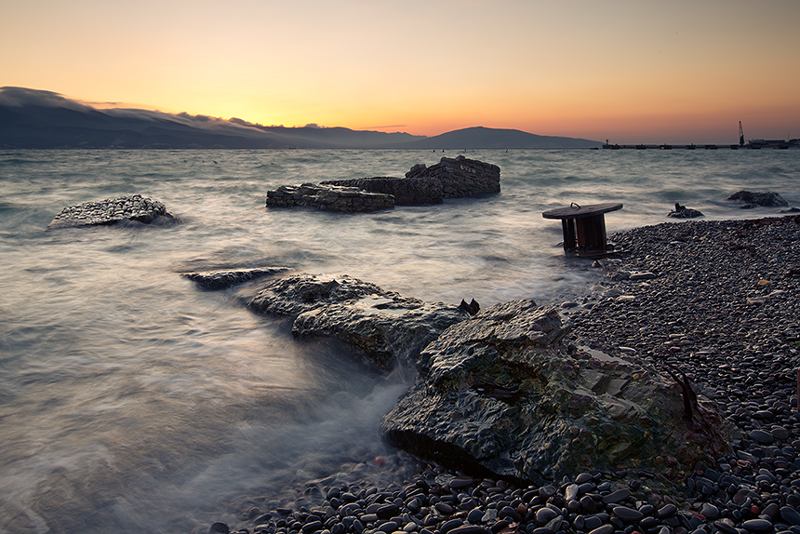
point(762, 437)
point(628, 515)
point(545, 515)
point(758, 525)
point(790, 515)
point(617, 496)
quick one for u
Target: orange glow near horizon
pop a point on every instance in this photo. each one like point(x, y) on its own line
point(622, 70)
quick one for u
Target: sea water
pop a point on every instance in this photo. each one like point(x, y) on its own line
point(133, 401)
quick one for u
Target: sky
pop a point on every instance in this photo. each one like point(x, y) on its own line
point(628, 71)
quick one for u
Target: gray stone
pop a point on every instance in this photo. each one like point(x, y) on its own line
point(381, 328)
point(764, 438)
point(111, 211)
point(628, 515)
point(617, 496)
point(406, 191)
point(461, 177)
point(328, 198)
point(545, 515)
point(790, 515)
point(751, 199)
point(709, 511)
point(225, 279)
point(605, 529)
point(682, 212)
point(758, 525)
point(450, 178)
point(499, 391)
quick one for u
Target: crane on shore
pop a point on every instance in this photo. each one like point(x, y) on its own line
point(741, 134)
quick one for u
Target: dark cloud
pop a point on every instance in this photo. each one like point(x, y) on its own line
point(22, 96)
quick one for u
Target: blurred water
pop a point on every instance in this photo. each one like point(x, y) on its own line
point(131, 400)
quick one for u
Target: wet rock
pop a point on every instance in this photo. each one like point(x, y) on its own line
point(111, 211)
point(381, 328)
point(450, 415)
point(405, 191)
point(461, 177)
point(219, 528)
point(628, 515)
point(450, 178)
point(224, 279)
point(750, 199)
point(328, 198)
point(682, 212)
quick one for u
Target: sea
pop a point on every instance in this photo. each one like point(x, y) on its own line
point(133, 401)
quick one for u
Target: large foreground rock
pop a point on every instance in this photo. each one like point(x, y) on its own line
point(113, 211)
point(501, 394)
point(379, 327)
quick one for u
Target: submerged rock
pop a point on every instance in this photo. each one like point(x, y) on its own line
point(751, 200)
point(380, 327)
point(225, 279)
point(113, 211)
point(682, 212)
point(501, 394)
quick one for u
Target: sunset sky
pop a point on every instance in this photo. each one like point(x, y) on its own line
point(628, 71)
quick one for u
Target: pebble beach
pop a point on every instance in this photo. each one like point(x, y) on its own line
point(717, 300)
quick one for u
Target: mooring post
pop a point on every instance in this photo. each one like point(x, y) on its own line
point(584, 227)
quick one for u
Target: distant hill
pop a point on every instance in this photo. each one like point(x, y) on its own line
point(480, 137)
point(31, 118)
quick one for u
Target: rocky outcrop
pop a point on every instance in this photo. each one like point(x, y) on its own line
point(450, 178)
point(224, 279)
point(328, 198)
point(766, 199)
point(461, 177)
point(501, 394)
point(379, 327)
point(498, 391)
point(406, 191)
point(113, 211)
point(682, 212)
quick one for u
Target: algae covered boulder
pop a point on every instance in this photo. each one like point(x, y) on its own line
point(502, 395)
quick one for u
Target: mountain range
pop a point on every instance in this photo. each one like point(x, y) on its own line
point(31, 118)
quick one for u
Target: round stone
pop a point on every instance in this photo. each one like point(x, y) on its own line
point(628, 515)
point(617, 496)
point(709, 511)
point(780, 433)
point(790, 515)
point(470, 529)
point(475, 516)
point(605, 529)
point(757, 525)
point(726, 527)
point(544, 515)
point(764, 438)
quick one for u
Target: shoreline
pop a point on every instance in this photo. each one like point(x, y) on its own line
point(716, 299)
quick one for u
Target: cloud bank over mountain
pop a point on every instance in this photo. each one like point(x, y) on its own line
point(32, 118)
